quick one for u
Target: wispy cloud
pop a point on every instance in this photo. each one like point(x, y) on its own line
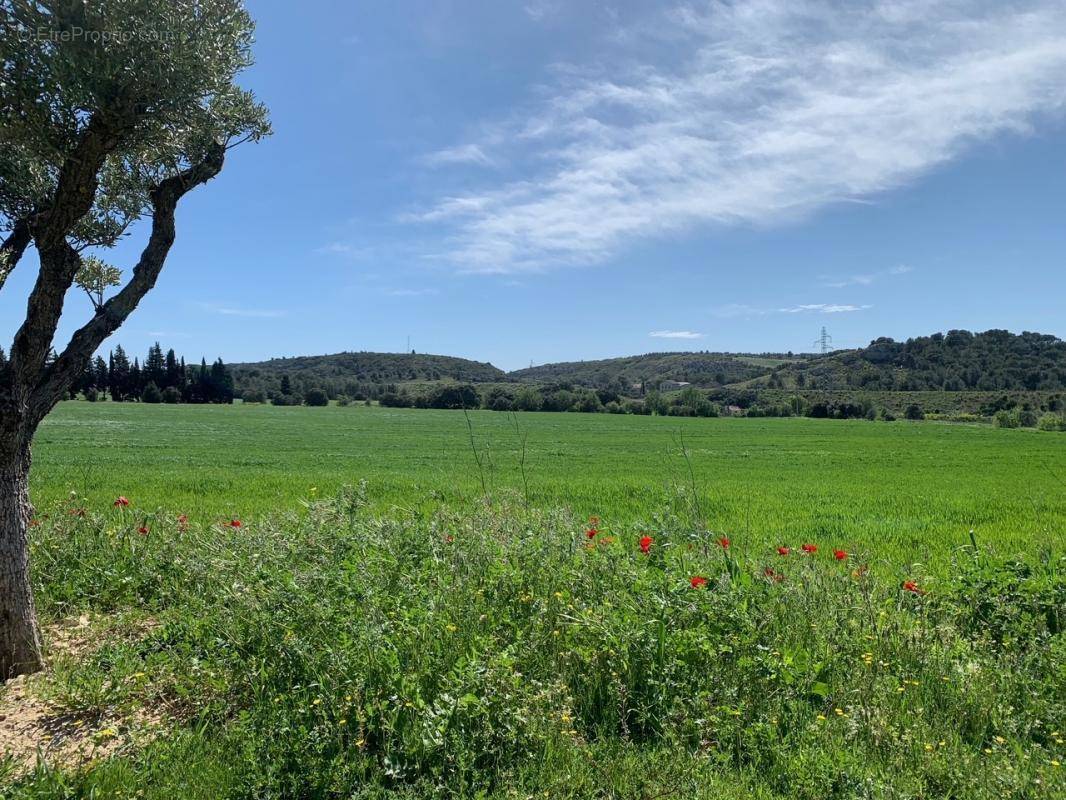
point(462, 154)
point(234, 311)
point(675, 335)
point(822, 308)
point(752, 112)
point(863, 279)
point(737, 310)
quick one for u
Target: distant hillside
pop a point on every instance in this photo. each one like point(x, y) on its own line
point(699, 369)
point(995, 360)
point(342, 372)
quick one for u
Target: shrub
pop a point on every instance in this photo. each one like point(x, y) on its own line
point(395, 400)
point(171, 395)
point(316, 397)
point(1052, 422)
point(502, 403)
point(528, 399)
point(92, 395)
point(151, 394)
point(253, 396)
point(587, 402)
point(1027, 418)
point(287, 400)
point(1006, 419)
point(914, 411)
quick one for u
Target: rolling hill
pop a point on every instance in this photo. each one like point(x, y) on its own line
point(343, 371)
point(699, 369)
point(995, 360)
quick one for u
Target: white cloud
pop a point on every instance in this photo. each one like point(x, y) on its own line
point(753, 112)
point(675, 335)
point(233, 311)
point(462, 154)
point(864, 279)
point(822, 308)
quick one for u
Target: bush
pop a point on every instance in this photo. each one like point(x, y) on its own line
point(395, 400)
point(253, 396)
point(1027, 418)
point(171, 395)
point(1005, 419)
point(317, 397)
point(528, 399)
point(92, 395)
point(587, 402)
point(502, 403)
point(452, 396)
point(287, 400)
point(151, 394)
point(1052, 422)
point(343, 400)
point(914, 411)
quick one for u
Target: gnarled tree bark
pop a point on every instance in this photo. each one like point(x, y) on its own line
point(20, 641)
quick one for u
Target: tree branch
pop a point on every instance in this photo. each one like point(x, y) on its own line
point(74, 196)
point(110, 316)
point(13, 247)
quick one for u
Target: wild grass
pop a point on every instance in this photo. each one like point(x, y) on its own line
point(902, 490)
point(500, 651)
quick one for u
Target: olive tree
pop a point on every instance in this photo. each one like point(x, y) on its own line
point(111, 111)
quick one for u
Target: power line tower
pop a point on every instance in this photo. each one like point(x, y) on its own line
point(824, 341)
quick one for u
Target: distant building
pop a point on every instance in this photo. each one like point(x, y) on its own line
point(670, 386)
point(732, 411)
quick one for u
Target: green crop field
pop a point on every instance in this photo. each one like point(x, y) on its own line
point(909, 489)
point(392, 621)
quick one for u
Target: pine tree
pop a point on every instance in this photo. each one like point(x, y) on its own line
point(155, 370)
point(119, 375)
point(173, 377)
point(136, 383)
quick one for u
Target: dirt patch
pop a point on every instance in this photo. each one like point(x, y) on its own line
point(32, 728)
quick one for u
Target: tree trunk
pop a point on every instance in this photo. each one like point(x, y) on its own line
point(20, 640)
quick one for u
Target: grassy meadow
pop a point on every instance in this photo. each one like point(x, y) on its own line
point(897, 489)
point(383, 626)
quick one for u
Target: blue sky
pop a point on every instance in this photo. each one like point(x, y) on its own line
point(542, 181)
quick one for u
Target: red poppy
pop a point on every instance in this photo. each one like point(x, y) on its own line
point(449, 538)
point(143, 530)
point(236, 523)
point(840, 555)
point(809, 548)
point(645, 544)
point(594, 522)
point(912, 587)
point(697, 581)
point(784, 551)
point(773, 575)
point(121, 502)
point(724, 542)
point(77, 512)
point(591, 533)
point(35, 523)
point(183, 522)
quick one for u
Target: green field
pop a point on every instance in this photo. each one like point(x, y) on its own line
point(420, 636)
point(901, 489)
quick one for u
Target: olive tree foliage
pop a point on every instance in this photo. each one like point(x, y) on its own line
point(111, 111)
